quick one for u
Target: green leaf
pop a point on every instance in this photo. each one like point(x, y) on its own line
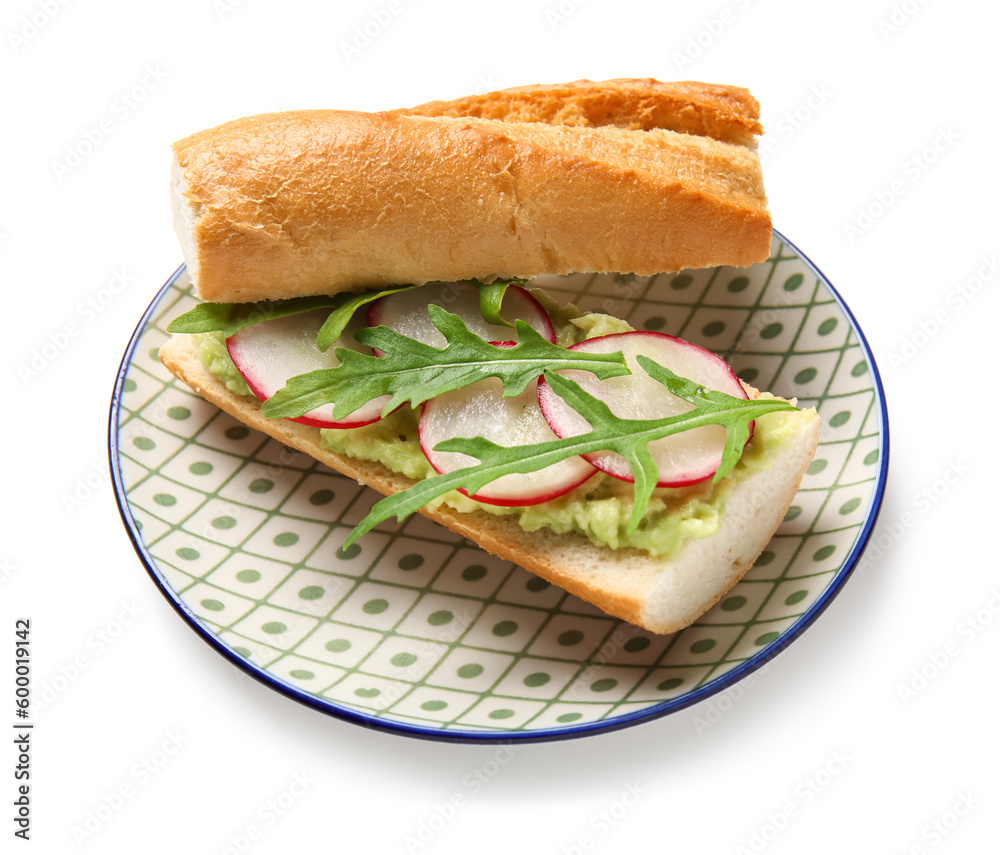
point(413, 372)
point(346, 306)
point(491, 298)
point(628, 437)
point(646, 474)
point(205, 317)
point(230, 318)
point(737, 435)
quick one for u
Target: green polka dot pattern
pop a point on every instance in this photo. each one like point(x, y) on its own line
point(416, 630)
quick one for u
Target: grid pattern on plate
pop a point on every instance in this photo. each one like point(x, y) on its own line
point(420, 627)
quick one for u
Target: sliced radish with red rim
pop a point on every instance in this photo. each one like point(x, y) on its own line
point(269, 353)
point(406, 312)
point(481, 410)
point(684, 458)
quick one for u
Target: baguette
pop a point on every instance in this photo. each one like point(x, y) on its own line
point(725, 113)
point(658, 595)
point(316, 202)
point(632, 176)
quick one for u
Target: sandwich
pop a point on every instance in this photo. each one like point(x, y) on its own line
point(368, 299)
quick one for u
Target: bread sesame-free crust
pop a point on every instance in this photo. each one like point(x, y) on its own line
point(726, 113)
point(320, 201)
point(657, 594)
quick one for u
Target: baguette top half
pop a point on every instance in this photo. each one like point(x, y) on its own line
point(726, 113)
point(316, 202)
point(661, 595)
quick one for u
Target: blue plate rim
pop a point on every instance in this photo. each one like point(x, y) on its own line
point(398, 728)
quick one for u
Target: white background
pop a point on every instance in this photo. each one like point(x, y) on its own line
point(881, 116)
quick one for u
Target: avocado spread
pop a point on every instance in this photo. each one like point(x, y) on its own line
point(599, 508)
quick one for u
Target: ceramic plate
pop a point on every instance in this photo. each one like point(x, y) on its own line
point(417, 631)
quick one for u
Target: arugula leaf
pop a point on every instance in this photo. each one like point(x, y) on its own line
point(347, 305)
point(230, 318)
point(737, 435)
point(628, 437)
point(413, 372)
point(491, 298)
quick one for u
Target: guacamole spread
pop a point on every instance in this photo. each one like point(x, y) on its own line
point(599, 508)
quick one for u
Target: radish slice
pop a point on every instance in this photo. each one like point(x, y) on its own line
point(406, 312)
point(481, 410)
point(269, 353)
point(683, 458)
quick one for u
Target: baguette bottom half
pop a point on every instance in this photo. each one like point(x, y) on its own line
point(660, 595)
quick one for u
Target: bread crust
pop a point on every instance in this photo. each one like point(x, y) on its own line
point(726, 113)
point(660, 595)
point(631, 176)
point(316, 202)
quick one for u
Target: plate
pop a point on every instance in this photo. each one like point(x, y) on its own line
point(417, 631)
